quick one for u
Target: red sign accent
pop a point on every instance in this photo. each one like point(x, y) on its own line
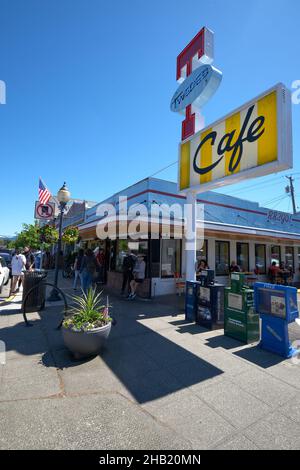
point(185, 58)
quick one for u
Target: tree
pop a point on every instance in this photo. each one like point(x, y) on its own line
point(29, 236)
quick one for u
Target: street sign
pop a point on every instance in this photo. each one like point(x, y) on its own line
point(253, 140)
point(44, 211)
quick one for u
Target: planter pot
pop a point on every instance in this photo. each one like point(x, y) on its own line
point(86, 343)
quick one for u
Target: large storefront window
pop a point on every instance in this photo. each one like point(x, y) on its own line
point(201, 250)
point(275, 254)
point(170, 257)
point(136, 247)
point(260, 258)
point(289, 257)
point(222, 258)
point(242, 256)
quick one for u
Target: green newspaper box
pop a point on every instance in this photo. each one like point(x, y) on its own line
point(240, 320)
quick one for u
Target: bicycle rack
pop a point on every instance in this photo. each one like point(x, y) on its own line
point(27, 323)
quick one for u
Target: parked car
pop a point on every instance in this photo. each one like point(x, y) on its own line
point(8, 258)
point(4, 273)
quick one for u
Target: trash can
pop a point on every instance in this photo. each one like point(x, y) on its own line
point(36, 299)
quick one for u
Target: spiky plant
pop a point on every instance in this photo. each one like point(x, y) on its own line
point(88, 312)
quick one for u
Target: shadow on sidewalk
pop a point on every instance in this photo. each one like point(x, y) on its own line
point(148, 364)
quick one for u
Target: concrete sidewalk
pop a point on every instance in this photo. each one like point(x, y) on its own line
point(161, 383)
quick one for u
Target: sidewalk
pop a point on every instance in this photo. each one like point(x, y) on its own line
point(161, 383)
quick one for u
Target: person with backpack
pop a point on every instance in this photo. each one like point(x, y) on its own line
point(127, 267)
point(77, 267)
point(88, 269)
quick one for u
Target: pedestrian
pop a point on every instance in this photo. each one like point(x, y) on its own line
point(88, 269)
point(127, 268)
point(101, 262)
point(273, 272)
point(29, 258)
point(234, 267)
point(201, 265)
point(18, 264)
point(77, 267)
point(138, 276)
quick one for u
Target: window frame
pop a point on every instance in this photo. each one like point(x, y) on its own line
point(228, 263)
point(265, 256)
point(248, 258)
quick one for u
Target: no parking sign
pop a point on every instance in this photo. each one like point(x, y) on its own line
point(44, 211)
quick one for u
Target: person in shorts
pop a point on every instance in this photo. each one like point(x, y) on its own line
point(18, 264)
point(138, 275)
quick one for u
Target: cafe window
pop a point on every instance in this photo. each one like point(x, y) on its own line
point(170, 257)
point(242, 256)
point(136, 247)
point(289, 257)
point(222, 258)
point(275, 254)
point(201, 249)
point(260, 258)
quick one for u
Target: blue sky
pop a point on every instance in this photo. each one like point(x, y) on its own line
point(89, 84)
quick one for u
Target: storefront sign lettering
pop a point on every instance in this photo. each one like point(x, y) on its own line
point(281, 217)
point(227, 143)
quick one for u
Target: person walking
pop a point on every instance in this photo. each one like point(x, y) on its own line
point(77, 267)
point(18, 264)
point(127, 267)
point(88, 269)
point(138, 276)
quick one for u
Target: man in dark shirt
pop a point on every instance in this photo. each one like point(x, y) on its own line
point(128, 265)
point(29, 259)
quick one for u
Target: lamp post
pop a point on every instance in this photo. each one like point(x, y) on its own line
point(63, 197)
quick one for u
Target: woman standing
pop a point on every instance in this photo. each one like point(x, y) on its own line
point(77, 267)
point(138, 275)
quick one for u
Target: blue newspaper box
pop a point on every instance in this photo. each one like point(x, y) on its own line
point(191, 300)
point(277, 307)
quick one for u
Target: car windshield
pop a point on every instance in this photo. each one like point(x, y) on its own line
point(6, 256)
point(2, 262)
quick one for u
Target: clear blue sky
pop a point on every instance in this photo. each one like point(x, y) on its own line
point(89, 84)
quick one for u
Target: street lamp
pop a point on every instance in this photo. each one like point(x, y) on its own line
point(63, 197)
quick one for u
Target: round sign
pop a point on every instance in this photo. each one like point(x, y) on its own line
point(45, 211)
point(197, 88)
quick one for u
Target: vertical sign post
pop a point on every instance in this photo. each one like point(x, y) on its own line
point(194, 74)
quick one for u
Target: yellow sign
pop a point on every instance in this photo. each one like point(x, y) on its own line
point(254, 140)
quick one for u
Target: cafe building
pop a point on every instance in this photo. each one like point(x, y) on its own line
point(234, 230)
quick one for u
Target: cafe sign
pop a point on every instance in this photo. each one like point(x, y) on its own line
point(254, 140)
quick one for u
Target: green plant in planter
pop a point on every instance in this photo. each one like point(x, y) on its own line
point(88, 312)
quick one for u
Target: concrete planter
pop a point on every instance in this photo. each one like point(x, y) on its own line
point(86, 343)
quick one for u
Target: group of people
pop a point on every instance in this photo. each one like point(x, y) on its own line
point(134, 269)
point(88, 268)
point(281, 273)
point(21, 262)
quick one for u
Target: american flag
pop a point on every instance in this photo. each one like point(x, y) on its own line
point(44, 194)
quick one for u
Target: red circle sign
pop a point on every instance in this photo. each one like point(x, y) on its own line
point(44, 211)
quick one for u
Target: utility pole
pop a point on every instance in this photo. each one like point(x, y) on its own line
point(290, 189)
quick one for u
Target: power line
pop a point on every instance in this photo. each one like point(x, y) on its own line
point(165, 168)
